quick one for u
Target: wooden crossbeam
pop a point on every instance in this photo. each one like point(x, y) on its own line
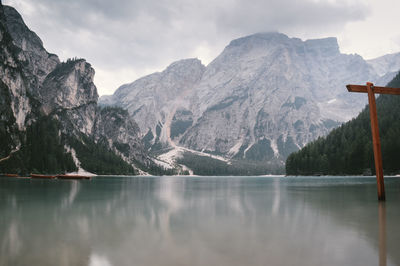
point(375, 89)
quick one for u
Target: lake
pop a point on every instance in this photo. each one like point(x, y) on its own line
point(199, 221)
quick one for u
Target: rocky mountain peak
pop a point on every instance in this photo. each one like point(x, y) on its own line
point(21, 34)
point(260, 45)
point(41, 63)
point(159, 93)
point(263, 97)
point(389, 63)
point(182, 72)
point(261, 38)
point(184, 65)
point(325, 46)
point(43, 100)
point(69, 86)
point(255, 46)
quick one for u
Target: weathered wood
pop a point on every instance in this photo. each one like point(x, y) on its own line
point(376, 142)
point(375, 89)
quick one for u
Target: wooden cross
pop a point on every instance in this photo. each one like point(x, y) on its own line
point(371, 90)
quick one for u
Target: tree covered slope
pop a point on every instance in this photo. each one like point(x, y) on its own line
point(348, 149)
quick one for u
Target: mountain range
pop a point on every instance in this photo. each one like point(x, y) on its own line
point(265, 96)
point(50, 121)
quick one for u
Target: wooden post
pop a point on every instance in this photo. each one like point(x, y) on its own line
point(371, 90)
point(376, 142)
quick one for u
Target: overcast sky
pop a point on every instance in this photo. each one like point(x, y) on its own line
point(127, 39)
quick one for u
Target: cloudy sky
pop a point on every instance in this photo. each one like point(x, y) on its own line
point(127, 39)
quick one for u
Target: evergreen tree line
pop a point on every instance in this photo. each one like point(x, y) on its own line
point(42, 151)
point(348, 149)
point(98, 158)
point(204, 165)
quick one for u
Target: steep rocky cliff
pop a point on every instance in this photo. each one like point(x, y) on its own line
point(38, 91)
point(267, 95)
point(263, 97)
point(383, 65)
point(117, 128)
point(152, 100)
point(15, 104)
point(69, 94)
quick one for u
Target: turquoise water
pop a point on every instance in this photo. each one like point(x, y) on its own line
point(199, 221)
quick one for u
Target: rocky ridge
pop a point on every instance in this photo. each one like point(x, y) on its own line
point(35, 84)
point(265, 96)
point(152, 99)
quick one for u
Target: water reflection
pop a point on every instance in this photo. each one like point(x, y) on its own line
point(382, 233)
point(98, 260)
point(277, 198)
point(170, 196)
point(198, 221)
point(11, 242)
point(70, 197)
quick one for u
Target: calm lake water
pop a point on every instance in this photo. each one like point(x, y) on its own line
point(199, 221)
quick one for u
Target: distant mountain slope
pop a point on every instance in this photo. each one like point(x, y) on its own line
point(152, 100)
point(348, 149)
point(50, 121)
point(389, 63)
point(265, 96)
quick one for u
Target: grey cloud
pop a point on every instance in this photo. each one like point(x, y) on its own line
point(148, 34)
point(281, 15)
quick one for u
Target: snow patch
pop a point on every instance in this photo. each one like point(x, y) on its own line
point(274, 147)
point(163, 164)
point(171, 156)
point(235, 149)
point(141, 172)
point(205, 154)
point(185, 168)
point(13, 151)
point(168, 160)
point(80, 171)
point(248, 148)
point(332, 101)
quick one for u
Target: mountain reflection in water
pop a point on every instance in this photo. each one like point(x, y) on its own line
point(198, 221)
